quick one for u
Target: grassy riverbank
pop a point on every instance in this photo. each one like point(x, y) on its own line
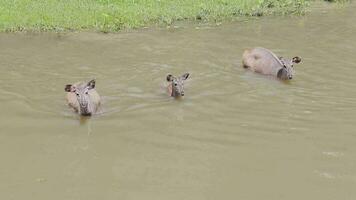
point(114, 15)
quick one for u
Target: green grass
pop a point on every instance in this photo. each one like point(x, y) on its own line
point(115, 15)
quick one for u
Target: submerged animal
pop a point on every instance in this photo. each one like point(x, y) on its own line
point(82, 97)
point(176, 85)
point(264, 61)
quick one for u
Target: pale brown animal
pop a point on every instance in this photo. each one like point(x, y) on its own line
point(264, 61)
point(176, 85)
point(82, 97)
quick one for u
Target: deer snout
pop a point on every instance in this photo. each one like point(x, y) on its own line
point(85, 110)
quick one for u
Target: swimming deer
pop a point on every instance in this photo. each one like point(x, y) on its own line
point(264, 61)
point(176, 85)
point(82, 97)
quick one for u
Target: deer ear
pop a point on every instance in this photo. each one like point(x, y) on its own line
point(169, 77)
point(69, 88)
point(185, 76)
point(296, 59)
point(91, 84)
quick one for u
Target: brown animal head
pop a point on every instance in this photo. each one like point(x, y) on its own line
point(177, 84)
point(83, 97)
point(287, 71)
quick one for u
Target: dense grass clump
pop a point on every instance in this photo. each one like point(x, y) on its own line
point(114, 15)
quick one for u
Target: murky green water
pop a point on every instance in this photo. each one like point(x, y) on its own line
point(236, 135)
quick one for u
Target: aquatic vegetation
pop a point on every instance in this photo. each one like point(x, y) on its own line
point(115, 15)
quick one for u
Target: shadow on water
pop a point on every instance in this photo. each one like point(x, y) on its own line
point(84, 119)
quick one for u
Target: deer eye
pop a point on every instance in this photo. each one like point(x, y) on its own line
point(175, 84)
point(86, 92)
point(77, 94)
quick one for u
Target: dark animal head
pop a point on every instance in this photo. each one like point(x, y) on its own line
point(287, 71)
point(83, 97)
point(177, 84)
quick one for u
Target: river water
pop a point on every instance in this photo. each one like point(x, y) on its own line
point(235, 135)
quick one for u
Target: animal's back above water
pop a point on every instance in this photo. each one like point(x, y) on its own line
point(261, 60)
